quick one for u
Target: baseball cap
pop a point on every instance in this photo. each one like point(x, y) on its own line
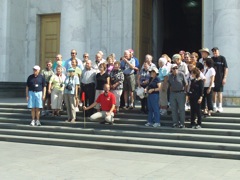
point(36, 67)
point(215, 48)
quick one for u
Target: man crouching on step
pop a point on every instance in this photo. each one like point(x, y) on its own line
point(107, 102)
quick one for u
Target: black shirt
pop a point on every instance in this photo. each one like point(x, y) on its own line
point(101, 80)
point(219, 64)
point(35, 83)
point(196, 88)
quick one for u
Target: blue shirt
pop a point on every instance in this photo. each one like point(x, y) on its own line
point(35, 83)
point(69, 61)
point(127, 69)
point(162, 73)
point(72, 81)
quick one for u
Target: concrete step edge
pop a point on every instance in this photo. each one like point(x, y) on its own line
point(125, 147)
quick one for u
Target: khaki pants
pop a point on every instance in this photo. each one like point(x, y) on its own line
point(69, 100)
point(99, 116)
point(117, 94)
point(56, 99)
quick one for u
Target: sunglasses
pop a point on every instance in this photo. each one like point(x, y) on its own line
point(174, 68)
point(73, 53)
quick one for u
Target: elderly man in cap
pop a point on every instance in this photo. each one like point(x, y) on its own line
point(35, 94)
point(221, 68)
point(182, 66)
point(178, 85)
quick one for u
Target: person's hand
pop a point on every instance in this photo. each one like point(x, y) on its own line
point(199, 100)
point(224, 81)
point(108, 113)
point(49, 91)
point(84, 108)
point(150, 91)
point(27, 98)
point(208, 90)
point(43, 98)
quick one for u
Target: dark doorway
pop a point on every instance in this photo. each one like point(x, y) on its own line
point(177, 25)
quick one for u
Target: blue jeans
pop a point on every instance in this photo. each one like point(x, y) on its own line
point(153, 108)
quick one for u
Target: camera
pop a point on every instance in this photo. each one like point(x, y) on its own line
point(69, 87)
point(61, 85)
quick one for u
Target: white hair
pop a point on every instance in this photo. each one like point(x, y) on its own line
point(162, 60)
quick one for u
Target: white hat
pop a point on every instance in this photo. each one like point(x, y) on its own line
point(36, 67)
point(204, 50)
point(140, 92)
point(154, 69)
point(174, 65)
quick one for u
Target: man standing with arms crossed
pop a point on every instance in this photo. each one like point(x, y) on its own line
point(221, 68)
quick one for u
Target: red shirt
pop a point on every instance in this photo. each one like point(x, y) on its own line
point(106, 101)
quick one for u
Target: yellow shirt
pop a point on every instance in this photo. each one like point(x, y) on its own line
point(57, 82)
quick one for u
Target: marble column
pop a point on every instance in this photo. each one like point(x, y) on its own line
point(222, 27)
point(73, 27)
point(3, 37)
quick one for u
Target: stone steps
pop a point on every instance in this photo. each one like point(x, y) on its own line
point(219, 137)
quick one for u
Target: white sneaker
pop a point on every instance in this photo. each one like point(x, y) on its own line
point(220, 109)
point(215, 108)
point(156, 124)
point(38, 123)
point(32, 123)
point(148, 124)
point(163, 112)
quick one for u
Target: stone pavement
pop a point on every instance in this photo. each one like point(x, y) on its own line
point(27, 161)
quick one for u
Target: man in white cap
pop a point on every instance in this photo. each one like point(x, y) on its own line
point(35, 94)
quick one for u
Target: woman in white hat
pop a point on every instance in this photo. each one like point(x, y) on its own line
point(71, 94)
point(153, 89)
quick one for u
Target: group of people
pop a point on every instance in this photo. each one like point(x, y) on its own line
point(183, 82)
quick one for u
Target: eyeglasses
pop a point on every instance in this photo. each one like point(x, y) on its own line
point(86, 56)
point(73, 53)
point(174, 68)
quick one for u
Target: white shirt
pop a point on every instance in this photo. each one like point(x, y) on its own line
point(208, 74)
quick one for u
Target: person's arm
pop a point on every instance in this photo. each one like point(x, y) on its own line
point(27, 98)
point(90, 107)
point(138, 80)
point(44, 88)
point(225, 76)
point(108, 80)
point(44, 92)
point(131, 65)
point(201, 89)
point(211, 83)
point(112, 109)
point(49, 87)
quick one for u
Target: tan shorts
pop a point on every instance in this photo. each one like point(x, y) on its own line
point(163, 101)
point(129, 82)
